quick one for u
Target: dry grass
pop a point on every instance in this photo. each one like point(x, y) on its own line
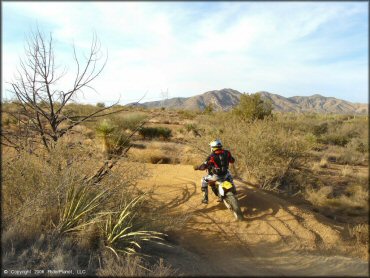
point(346, 155)
point(360, 233)
point(51, 218)
point(153, 156)
point(324, 162)
point(165, 153)
point(264, 150)
point(131, 266)
point(353, 202)
point(316, 167)
point(34, 188)
point(346, 171)
point(319, 166)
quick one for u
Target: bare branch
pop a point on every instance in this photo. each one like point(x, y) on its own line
point(40, 103)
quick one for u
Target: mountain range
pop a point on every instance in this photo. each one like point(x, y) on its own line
point(226, 99)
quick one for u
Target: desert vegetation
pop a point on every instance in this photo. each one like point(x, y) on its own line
point(70, 171)
point(296, 154)
point(64, 205)
point(92, 221)
point(54, 215)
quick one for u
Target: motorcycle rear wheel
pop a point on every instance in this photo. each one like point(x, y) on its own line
point(233, 202)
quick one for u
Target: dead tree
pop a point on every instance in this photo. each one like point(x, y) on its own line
point(41, 103)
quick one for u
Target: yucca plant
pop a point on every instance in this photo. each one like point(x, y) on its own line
point(113, 136)
point(80, 202)
point(120, 234)
point(105, 129)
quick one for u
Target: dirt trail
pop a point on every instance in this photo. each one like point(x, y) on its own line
point(275, 239)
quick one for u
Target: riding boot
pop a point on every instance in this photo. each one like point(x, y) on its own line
point(214, 190)
point(205, 197)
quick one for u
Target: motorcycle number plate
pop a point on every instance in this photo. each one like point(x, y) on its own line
point(227, 185)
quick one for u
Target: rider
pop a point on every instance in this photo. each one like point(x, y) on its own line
point(217, 164)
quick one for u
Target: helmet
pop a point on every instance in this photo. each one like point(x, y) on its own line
point(216, 144)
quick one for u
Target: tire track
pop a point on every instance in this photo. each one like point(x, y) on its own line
point(276, 238)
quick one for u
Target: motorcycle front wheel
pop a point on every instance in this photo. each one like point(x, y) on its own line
point(232, 203)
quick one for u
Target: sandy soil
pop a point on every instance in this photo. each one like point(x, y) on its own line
point(276, 238)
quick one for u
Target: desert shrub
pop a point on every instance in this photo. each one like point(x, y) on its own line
point(345, 155)
point(360, 233)
point(100, 104)
point(55, 218)
point(334, 139)
point(134, 266)
point(187, 114)
point(113, 138)
point(155, 132)
point(320, 129)
point(352, 158)
point(80, 109)
point(208, 109)
point(120, 233)
point(298, 122)
point(264, 150)
point(354, 128)
point(158, 153)
point(7, 119)
point(358, 145)
point(354, 201)
point(352, 132)
point(346, 171)
point(192, 127)
point(252, 107)
point(166, 133)
point(313, 141)
point(130, 121)
point(160, 159)
point(318, 166)
point(323, 162)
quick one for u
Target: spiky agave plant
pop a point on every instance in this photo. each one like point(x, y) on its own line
point(120, 234)
point(114, 138)
point(80, 203)
point(105, 129)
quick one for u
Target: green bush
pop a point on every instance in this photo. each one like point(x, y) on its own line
point(53, 217)
point(114, 138)
point(209, 109)
point(79, 109)
point(155, 132)
point(334, 139)
point(320, 129)
point(130, 121)
point(187, 114)
point(252, 107)
point(264, 150)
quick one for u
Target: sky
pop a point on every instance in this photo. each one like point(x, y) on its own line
point(188, 48)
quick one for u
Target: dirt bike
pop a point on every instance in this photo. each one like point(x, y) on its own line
point(226, 192)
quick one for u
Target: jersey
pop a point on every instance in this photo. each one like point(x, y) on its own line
point(218, 162)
